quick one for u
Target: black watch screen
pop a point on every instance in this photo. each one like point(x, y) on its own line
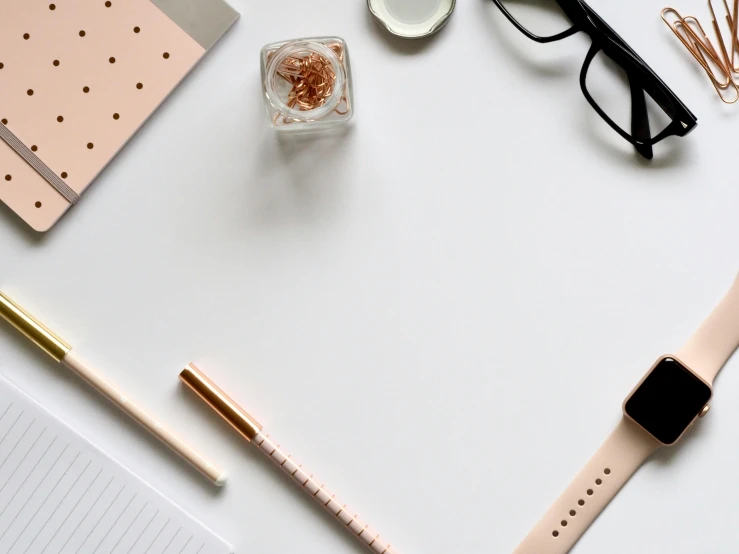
point(668, 400)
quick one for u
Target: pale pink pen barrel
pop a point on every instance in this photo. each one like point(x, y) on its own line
point(62, 353)
point(320, 494)
point(251, 430)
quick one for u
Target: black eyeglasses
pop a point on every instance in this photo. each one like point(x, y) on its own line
point(640, 76)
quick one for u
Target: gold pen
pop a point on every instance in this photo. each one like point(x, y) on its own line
point(60, 351)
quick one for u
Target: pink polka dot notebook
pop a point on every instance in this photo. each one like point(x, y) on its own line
point(77, 80)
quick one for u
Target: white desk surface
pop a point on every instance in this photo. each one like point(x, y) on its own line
point(439, 315)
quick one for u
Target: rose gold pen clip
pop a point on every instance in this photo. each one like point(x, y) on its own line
point(251, 430)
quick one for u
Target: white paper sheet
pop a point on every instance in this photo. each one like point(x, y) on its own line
point(59, 494)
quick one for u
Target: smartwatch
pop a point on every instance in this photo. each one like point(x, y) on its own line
point(671, 397)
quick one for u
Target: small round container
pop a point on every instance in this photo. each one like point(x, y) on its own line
point(412, 19)
point(307, 84)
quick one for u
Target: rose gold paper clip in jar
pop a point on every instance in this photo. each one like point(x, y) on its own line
point(307, 84)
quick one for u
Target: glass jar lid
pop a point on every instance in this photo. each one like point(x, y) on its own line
point(412, 18)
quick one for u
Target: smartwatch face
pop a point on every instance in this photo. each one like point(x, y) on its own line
point(668, 400)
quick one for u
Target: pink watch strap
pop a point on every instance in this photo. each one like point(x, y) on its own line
point(629, 446)
point(607, 471)
point(716, 339)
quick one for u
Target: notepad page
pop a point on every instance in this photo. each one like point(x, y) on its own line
point(59, 494)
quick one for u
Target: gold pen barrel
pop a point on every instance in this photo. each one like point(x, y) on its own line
point(33, 329)
point(224, 406)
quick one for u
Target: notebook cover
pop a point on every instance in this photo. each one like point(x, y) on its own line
point(77, 80)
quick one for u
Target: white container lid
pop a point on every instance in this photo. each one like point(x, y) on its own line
point(412, 18)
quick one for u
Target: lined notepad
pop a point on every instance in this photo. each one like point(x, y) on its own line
point(61, 495)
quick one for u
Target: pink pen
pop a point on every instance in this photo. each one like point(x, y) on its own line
point(248, 427)
point(65, 355)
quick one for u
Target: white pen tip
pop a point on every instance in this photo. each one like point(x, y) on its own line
point(222, 478)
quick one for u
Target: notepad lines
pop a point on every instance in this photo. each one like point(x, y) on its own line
point(46, 499)
point(88, 511)
point(58, 495)
point(59, 504)
point(142, 532)
point(5, 412)
point(55, 499)
point(54, 487)
point(94, 527)
point(129, 527)
point(183, 548)
point(28, 493)
point(25, 480)
point(172, 539)
point(77, 503)
point(34, 492)
point(18, 465)
point(2, 440)
point(157, 536)
point(5, 459)
point(113, 524)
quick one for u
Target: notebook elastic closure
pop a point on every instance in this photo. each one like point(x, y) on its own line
point(40, 167)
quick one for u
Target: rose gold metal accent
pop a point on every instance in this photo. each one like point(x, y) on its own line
point(224, 406)
point(704, 411)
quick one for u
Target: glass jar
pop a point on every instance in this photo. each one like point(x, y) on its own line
point(307, 84)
